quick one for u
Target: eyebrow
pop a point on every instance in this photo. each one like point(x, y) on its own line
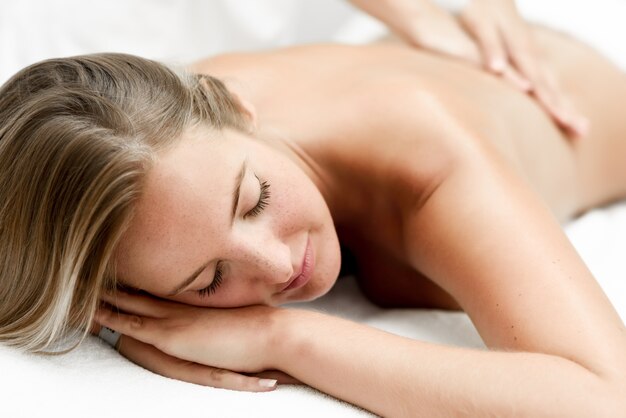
point(189, 280)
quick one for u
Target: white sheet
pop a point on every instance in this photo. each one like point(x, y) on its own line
point(94, 380)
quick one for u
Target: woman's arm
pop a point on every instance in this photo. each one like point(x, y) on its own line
point(395, 376)
point(557, 347)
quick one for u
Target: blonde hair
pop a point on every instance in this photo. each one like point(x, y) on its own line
point(77, 137)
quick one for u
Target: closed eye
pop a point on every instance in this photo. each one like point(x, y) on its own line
point(217, 281)
point(263, 199)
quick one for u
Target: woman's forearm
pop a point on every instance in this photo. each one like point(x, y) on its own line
point(396, 376)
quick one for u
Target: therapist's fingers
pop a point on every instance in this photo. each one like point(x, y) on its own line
point(550, 96)
point(494, 54)
point(561, 110)
point(489, 41)
point(513, 77)
point(544, 87)
point(153, 359)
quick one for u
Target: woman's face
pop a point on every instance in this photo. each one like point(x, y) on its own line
point(240, 213)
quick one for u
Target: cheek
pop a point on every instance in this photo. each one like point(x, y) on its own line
point(298, 202)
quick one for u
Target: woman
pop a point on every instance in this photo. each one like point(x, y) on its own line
point(445, 184)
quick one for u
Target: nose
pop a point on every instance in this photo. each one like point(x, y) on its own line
point(268, 258)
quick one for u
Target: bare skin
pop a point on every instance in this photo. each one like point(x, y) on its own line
point(570, 175)
point(448, 186)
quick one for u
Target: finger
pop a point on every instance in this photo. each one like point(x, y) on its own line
point(564, 115)
point(511, 75)
point(521, 53)
point(282, 377)
point(543, 87)
point(548, 100)
point(95, 328)
point(576, 123)
point(141, 328)
point(581, 125)
point(556, 105)
point(138, 304)
point(490, 44)
point(163, 364)
point(471, 52)
point(547, 91)
point(561, 112)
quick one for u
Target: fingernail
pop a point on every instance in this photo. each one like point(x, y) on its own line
point(268, 383)
point(582, 126)
point(526, 85)
point(497, 64)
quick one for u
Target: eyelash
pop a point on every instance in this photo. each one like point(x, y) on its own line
point(217, 281)
point(218, 278)
point(263, 199)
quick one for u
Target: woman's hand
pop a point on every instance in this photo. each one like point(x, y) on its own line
point(226, 348)
point(488, 33)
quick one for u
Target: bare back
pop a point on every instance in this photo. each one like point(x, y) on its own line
point(308, 92)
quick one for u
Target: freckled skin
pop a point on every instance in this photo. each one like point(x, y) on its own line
point(185, 218)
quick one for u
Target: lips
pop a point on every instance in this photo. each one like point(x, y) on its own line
point(306, 269)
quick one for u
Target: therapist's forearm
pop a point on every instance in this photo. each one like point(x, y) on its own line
point(394, 13)
point(376, 7)
point(395, 376)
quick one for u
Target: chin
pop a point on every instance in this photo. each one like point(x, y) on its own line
point(316, 288)
point(322, 290)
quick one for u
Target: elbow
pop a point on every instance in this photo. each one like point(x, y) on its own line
point(619, 399)
point(612, 401)
point(614, 379)
point(613, 408)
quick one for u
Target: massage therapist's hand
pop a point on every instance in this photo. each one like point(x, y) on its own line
point(507, 47)
point(225, 348)
point(488, 33)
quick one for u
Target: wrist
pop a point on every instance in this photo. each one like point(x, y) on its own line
point(285, 335)
point(492, 5)
point(415, 24)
